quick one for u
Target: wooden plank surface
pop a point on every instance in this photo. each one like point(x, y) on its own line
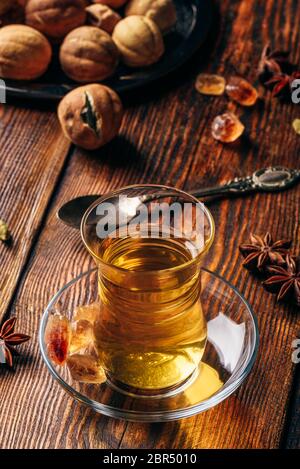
point(32, 154)
point(167, 140)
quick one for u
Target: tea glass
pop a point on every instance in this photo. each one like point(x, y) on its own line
point(149, 242)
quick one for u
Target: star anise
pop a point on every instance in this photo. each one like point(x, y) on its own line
point(8, 340)
point(281, 85)
point(263, 251)
point(273, 63)
point(285, 281)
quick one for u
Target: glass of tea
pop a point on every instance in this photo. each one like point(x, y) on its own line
point(149, 242)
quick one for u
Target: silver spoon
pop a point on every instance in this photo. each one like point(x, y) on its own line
point(271, 179)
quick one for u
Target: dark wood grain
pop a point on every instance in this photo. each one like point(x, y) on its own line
point(291, 435)
point(166, 139)
point(32, 154)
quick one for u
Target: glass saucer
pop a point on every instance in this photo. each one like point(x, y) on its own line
point(228, 358)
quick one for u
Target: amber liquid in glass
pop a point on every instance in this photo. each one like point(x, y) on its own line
point(152, 333)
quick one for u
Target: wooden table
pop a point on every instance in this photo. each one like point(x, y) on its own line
point(165, 138)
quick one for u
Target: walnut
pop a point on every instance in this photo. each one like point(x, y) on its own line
point(88, 54)
point(90, 115)
point(111, 3)
point(55, 18)
point(6, 5)
point(162, 12)
point(24, 53)
point(102, 17)
point(139, 41)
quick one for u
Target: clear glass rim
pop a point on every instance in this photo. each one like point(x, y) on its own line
point(177, 268)
point(158, 416)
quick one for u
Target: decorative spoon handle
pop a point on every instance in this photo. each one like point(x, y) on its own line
point(265, 180)
point(271, 179)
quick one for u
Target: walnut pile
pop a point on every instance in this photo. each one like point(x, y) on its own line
point(88, 38)
point(87, 55)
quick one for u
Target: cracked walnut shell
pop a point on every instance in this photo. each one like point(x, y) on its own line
point(55, 18)
point(162, 12)
point(139, 41)
point(90, 115)
point(102, 17)
point(24, 53)
point(88, 54)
